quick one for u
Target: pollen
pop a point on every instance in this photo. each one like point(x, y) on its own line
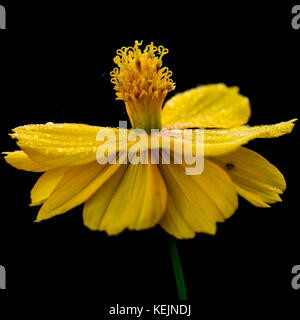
point(140, 74)
point(140, 80)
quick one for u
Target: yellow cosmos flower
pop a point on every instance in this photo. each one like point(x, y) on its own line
point(140, 196)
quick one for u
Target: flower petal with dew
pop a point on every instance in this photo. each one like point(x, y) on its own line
point(221, 141)
point(210, 106)
point(58, 145)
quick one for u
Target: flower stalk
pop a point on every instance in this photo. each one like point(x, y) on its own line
point(178, 272)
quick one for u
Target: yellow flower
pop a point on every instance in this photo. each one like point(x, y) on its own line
point(140, 196)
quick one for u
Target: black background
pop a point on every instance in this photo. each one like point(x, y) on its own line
point(55, 65)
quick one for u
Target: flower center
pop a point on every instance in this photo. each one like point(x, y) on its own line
point(143, 84)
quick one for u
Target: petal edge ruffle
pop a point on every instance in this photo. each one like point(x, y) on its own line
point(256, 179)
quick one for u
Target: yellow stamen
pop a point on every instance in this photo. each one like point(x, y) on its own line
point(143, 84)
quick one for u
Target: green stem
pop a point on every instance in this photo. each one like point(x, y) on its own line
point(177, 269)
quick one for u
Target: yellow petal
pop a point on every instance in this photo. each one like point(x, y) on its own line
point(221, 141)
point(134, 198)
point(46, 185)
point(77, 185)
point(197, 203)
point(72, 144)
point(59, 145)
point(210, 106)
point(256, 179)
point(21, 161)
